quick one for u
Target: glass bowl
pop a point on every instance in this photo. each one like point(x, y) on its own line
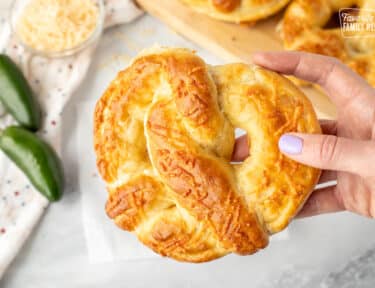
point(17, 9)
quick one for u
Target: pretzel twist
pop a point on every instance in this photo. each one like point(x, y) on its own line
point(164, 135)
point(302, 28)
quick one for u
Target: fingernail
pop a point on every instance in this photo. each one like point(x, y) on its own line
point(290, 144)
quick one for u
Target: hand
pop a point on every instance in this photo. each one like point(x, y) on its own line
point(346, 151)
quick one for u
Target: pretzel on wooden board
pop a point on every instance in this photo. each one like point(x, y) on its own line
point(303, 29)
point(238, 11)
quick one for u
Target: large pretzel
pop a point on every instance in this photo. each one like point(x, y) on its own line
point(164, 134)
point(302, 28)
point(237, 10)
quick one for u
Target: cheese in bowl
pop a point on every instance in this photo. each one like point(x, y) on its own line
point(57, 27)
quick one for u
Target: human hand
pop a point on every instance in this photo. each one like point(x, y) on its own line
point(346, 151)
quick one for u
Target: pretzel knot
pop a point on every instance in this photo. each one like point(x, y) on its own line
point(303, 29)
point(164, 135)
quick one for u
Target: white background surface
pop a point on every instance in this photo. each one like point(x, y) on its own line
point(56, 254)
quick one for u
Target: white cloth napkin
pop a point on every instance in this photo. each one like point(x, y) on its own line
point(53, 81)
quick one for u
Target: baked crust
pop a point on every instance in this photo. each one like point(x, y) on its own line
point(164, 135)
point(302, 29)
point(238, 11)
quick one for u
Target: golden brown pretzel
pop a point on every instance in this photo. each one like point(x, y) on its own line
point(302, 28)
point(237, 11)
point(164, 134)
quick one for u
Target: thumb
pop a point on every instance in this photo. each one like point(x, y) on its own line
point(330, 152)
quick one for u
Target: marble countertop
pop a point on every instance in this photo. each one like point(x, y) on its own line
point(326, 251)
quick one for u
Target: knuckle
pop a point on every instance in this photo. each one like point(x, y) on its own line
point(328, 149)
point(333, 65)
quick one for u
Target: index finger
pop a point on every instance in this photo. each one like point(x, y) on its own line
point(341, 83)
point(241, 146)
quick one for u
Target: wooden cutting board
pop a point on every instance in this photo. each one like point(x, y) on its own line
point(231, 42)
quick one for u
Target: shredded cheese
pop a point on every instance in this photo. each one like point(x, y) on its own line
point(57, 25)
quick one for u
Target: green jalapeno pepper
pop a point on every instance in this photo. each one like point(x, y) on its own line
point(36, 159)
point(17, 96)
